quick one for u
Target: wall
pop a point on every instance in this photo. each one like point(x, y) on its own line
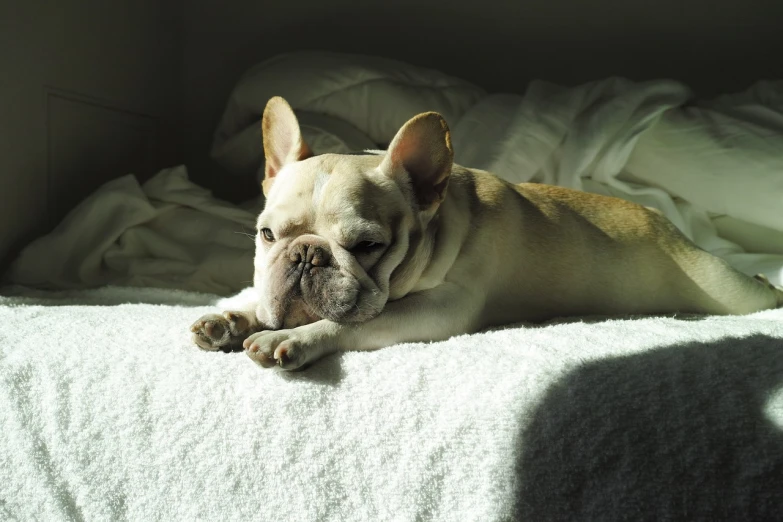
point(713, 45)
point(90, 90)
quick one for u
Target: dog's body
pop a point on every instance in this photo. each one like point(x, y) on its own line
point(357, 252)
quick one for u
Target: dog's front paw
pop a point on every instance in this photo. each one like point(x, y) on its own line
point(221, 332)
point(288, 349)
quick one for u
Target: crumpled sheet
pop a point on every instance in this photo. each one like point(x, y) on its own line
point(166, 233)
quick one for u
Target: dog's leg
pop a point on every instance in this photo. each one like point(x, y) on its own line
point(776, 289)
point(430, 315)
point(727, 290)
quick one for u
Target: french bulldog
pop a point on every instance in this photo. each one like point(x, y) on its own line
point(359, 252)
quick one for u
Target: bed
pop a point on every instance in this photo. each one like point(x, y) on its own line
point(110, 413)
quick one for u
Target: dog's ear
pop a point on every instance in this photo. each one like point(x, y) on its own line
point(422, 150)
point(283, 141)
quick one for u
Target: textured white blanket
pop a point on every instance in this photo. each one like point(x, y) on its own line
point(109, 413)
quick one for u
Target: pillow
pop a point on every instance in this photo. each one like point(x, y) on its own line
point(243, 155)
point(323, 134)
point(344, 102)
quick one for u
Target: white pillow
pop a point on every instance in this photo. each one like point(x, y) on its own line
point(243, 155)
point(348, 101)
point(724, 157)
point(324, 134)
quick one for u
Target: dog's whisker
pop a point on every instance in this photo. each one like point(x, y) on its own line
point(251, 236)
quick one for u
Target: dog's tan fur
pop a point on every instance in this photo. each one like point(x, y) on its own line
point(460, 250)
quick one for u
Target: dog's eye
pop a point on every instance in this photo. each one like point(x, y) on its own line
point(267, 235)
point(364, 247)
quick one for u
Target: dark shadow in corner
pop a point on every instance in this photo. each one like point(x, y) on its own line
point(677, 433)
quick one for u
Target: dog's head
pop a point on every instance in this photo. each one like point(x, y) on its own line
point(340, 235)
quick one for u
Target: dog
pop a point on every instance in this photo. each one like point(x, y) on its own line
point(363, 251)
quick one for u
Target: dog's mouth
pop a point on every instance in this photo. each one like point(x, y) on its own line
point(293, 312)
point(330, 308)
point(298, 310)
point(303, 293)
point(365, 307)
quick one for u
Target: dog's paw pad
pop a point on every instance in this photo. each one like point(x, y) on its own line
point(210, 332)
point(238, 322)
point(214, 330)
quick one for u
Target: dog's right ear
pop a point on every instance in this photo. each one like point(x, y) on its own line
point(422, 151)
point(283, 143)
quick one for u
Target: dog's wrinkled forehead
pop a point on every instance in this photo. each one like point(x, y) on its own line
point(328, 189)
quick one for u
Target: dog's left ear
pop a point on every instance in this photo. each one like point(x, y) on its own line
point(283, 141)
point(422, 150)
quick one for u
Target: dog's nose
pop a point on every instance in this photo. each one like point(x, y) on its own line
point(317, 256)
point(310, 254)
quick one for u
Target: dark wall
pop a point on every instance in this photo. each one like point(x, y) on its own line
point(89, 90)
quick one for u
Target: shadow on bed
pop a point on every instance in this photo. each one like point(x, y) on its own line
point(678, 433)
point(327, 371)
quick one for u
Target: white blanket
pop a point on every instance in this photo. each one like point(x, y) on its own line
point(715, 169)
point(109, 413)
